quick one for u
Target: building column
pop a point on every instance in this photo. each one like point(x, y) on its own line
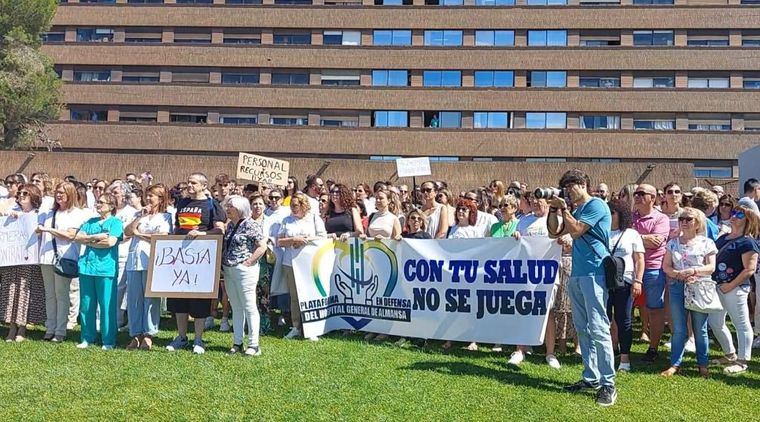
point(167, 35)
point(162, 116)
point(626, 79)
point(315, 119)
point(680, 38)
point(265, 77)
point(682, 79)
point(113, 115)
point(217, 36)
point(165, 76)
point(682, 121)
point(215, 77)
point(267, 36)
point(736, 80)
point(67, 73)
point(317, 37)
point(116, 74)
point(735, 38)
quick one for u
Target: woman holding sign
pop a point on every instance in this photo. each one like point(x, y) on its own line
point(22, 296)
point(97, 272)
point(145, 312)
point(300, 227)
point(244, 245)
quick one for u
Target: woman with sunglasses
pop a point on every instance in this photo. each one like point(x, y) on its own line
point(144, 312)
point(445, 198)
point(735, 264)
point(722, 217)
point(97, 273)
point(415, 226)
point(22, 295)
point(290, 189)
point(323, 201)
point(437, 217)
point(343, 219)
point(672, 207)
point(689, 258)
point(507, 226)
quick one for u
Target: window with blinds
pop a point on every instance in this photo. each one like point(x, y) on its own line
point(140, 76)
point(138, 116)
point(703, 38)
point(341, 77)
point(192, 36)
point(142, 35)
point(190, 76)
point(242, 37)
point(592, 38)
point(710, 122)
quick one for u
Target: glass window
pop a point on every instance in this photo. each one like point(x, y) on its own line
point(708, 83)
point(94, 35)
point(97, 76)
point(288, 78)
point(288, 121)
point(292, 2)
point(495, 38)
point(658, 2)
point(600, 122)
point(292, 39)
point(437, 78)
point(54, 36)
point(549, 38)
point(654, 124)
point(713, 172)
point(494, 2)
point(546, 2)
point(599, 82)
point(647, 38)
point(491, 120)
point(751, 83)
point(339, 122)
point(392, 3)
point(342, 38)
point(654, 82)
point(545, 120)
point(150, 1)
point(83, 115)
point(238, 120)
point(449, 119)
point(390, 119)
point(547, 79)
point(195, 1)
point(494, 78)
point(443, 38)
point(240, 78)
point(340, 77)
point(444, 2)
point(243, 1)
point(392, 37)
point(390, 78)
point(188, 118)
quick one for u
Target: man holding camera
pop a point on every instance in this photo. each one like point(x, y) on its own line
point(589, 225)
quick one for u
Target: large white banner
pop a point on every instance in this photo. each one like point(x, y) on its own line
point(19, 244)
point(486, 290)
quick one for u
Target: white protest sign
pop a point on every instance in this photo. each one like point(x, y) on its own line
point(260, 169)
point(407, 167)
point(183, 267)
point(494, 290)
point(19, 244)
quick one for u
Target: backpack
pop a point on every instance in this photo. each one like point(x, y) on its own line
point(614, 266)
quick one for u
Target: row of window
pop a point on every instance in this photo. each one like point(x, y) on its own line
point(430, 78)
point(405, 2)
point(403, 37)
point(437, 119)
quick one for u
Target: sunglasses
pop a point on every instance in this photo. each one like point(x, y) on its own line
point(22, 194)
point(440, 195)
point(640, 193)
point(738, 214)
point(726, 204)
point(503, 205)
point(463, 209)
point(274, 198)
point(685, 218)
point(36, 181)
point(426, 190)
point(104, 203)
point(403, 190)
point(335, 192)
point(415, 218)
point(673, 191)
point(324, 201)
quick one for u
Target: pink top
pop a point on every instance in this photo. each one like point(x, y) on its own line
point(653, 223)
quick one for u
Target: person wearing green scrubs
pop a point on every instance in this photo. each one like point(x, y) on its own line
point(97, 272)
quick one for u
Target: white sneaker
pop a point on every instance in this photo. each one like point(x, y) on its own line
point(516, 358)
point(199, 348)
point(293, 333)
point(553, 362)
point(625, 367)
point(107, 347)
point(690, 346)
point(253, 351)
point(177, 343)
point(209, 324)
point(83, 345)
point(496, 348)
point(224, 326)
point(313, 338)
point(756, 343)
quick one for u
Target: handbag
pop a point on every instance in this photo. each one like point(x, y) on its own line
point(64, 267)
point(614, 266)
point(702, 296)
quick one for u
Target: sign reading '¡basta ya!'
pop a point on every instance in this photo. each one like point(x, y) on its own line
point(262, 169)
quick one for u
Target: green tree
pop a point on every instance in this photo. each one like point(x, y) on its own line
point(29, 87)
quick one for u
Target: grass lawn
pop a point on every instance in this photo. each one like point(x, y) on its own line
point(343, 378)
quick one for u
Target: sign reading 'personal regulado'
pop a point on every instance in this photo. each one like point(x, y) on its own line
point(184, 267)
point(485, 290)
point(264, 170)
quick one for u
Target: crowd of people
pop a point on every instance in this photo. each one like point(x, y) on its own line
point(95, 237)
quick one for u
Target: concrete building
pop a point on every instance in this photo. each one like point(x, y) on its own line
point(508, 89)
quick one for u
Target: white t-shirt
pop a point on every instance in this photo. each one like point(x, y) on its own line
point(434, 219)
point(369, 205)
point(691, 255)
point(468, 232)
point(308, 227)
point(314, 204)
point(139, 250)
point(125, 215)
point(530, 226)
point(630, 242)
point(64, 220)
point(485, 221)
point(381, 224)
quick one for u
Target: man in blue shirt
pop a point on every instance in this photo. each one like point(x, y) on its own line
point(589, 225)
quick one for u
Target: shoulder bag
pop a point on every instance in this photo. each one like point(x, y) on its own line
point(701, 295)
point(614, 266)
point(64, 267)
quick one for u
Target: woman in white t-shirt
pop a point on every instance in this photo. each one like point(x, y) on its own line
point(58, 228)
point(626, 243)
point(145, 312)
point(383, 224)
point(689, 257)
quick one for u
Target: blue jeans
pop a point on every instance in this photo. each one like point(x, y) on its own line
point(654, 288)
point(144, 312)
point(680, 331)
point(588, 297)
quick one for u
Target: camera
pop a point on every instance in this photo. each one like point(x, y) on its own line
point(549, 193)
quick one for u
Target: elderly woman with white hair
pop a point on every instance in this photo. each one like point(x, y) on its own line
point(244, 245)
